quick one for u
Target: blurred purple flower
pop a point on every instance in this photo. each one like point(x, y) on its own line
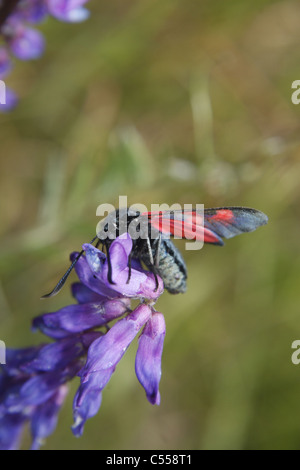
point(26, 43)
point(32, 389)
point(33, 382)
point(68, 10)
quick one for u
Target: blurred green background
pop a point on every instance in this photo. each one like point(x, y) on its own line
point(167, 101)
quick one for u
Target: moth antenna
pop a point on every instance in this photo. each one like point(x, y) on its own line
point(62, 281)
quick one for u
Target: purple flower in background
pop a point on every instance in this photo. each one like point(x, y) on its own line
point(27, 44)
point(68, 10)
point(33, 383)
point(23, 42)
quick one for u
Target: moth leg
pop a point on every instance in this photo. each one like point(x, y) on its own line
point(154, 266)
point(98, 243)
point(157, 252)
point(150, 251)
point(129, 267)
point(109, 273)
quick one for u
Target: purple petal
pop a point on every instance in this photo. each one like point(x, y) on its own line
point(106, 352)
point(148, 357)
point(77, 318)
point(95, 258)
point(45, 416)
point(10, 392)
point(142, 284)
point(120, 250)
point(88, 398)
point(33, 392)
point(68, 10)
point(33, 11)
point(11, 426)
point(39, 388)
point(119, 263)
point(27, 45)
point(84, 295)
point(86, 276)
point(18, 358)
point(56, 355)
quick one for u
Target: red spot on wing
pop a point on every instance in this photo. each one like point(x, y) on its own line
point(224, 215)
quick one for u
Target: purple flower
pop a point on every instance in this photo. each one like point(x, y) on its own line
point(76, 318)
point(148, 358)
point(33, 383)
point(27, 44)
point(68, 10)
point(45, 416)
point(11, 427)
point(142, 283)
point(32, 11)
point(21, 40)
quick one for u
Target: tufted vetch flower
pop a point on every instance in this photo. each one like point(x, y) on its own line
point(18, 39)
point(89, 338)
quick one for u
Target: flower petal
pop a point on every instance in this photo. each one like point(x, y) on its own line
point(88, 398)
point(94, 273)
point(119, 251)
point(17, 358)
point(11, 426)
point(148, 357)
point(33, 11)
point(84, 295)
point(77, 318)
point(39, 388)
point(107, 351)
point(87, 277)
point(27, 45)
point(68, 10)
point(45, 416)
point(56, 355)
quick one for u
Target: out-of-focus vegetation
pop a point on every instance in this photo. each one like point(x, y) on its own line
point(167, 101)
